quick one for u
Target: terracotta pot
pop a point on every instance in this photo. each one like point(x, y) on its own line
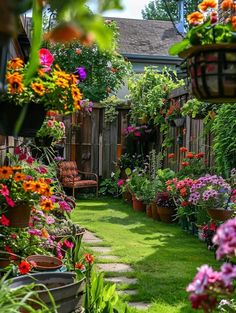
point(6, 258)
point(220, 214)
point(19, 215)
point(138, 205)
point(127, 196)
point(155, 214)
point(166, 214)
point(44, 262)
point(212, 69)
point(149, 210)
point(61, 237)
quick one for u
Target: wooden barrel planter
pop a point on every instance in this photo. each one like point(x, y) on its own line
point(138, 205)
point(155, 214)
point(212, 69)
point(19, 215)
point(66, 291)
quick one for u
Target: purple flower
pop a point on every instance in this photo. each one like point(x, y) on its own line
point(64, 206)
point(35, 232)
point(228, 272)
point(81, 72)
point(225, 238)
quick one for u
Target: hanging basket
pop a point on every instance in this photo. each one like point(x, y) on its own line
point(32, 121)
point(19, 215)
point(212, 69)
point(179, 122)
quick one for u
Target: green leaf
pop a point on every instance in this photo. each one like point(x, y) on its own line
point(105, 5)
point(36, 41)
point(179, 47)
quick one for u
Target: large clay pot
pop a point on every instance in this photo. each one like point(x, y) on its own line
point(66, 291)
point(149, 210)
point(44, 262)
point(6, 258)
point(166, 214)
point(32, 120)
point(19, 215)
point(155, 214)
point(138, 205)
point(220, 214)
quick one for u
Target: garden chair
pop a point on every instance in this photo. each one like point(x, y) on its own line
point(70, 177)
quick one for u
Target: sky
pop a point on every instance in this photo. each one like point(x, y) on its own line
point(132, 9)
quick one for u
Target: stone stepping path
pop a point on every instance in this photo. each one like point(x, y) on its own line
point(114, 267)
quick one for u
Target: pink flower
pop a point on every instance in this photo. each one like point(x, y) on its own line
point(29, 160)
point(64, 206)
point(62, 125)
point(50, 123)
point(50, 220)
point(17, 150)
point(120, 182)
point(41, 170)
point(10, 202)
point(137, 134)
point(4, 221)
point(13, 236)
point(4, 191)
point(35, 232)
point(46, 59)
point(68, 244)
point(228, 272)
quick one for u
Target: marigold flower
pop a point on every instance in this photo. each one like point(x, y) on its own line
point(89, 258)
point(171, 155)
point(206, 4)
point(19, 176)
point(5, 172)
point(38, 88)
point(47, 205)
point(15, 64)
point(183, 149)
point(226, 5)
point(24, 267)
point(195, 18)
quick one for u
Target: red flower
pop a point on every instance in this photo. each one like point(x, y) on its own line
point(80, 266)
point(183, 192)
point(17, 150)
point(190, 155)
point(46, 59)
point(9, 250)
point(185, 164)
point(24, 267)
point(183, 149)
point(89, 258)
point(4, 221)
point(184, 203)
point(199, 155)
point(171, 155)
point(13, 236)
point(29, 160)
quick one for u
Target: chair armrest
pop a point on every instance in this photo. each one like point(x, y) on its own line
point(89, 173)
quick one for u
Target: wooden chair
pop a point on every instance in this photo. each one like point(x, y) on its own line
point(70, 177)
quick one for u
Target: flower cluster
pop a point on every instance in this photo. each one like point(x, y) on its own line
point(180, 190)
point(52, 128)
point(51, 87)
point(136, 132)
point(173, 111)
point(164, 200)
point(210, 191)
point(207, 28)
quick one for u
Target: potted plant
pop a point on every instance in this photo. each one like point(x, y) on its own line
point(50, 132)
point(197, 109)
point(50, 89)
point(213, 193)
point(174, 114)
point(210, 51)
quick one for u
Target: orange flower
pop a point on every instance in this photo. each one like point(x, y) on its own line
point(89, 258)
point(46, 191)
point(171, 155)
point(47, 205)
point(15, 64)
point(195, 18)
point(19, 176)
point(38, 88)
point(15, 83)
point(77, 105)
point(28, 185)
point(16, 168)
point(74, 79)
point(76, 94)
point(41, 72)
point(64, 33)
point(206, 4)
point(183, 149)
point(5, 172)
point(44, 233)
point(190, 155)
point(61, 82)
point(226, 5)
point(185, 164)
point(183, 192)
point(15, 77)
point(39, 187)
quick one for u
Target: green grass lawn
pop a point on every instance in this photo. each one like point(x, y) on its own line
point(163, 256)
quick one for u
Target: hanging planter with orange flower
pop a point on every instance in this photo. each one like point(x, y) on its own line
point(210, 51)
point(23, 107)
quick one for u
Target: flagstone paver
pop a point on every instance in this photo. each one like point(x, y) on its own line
point(101, 249)
point(128, 292)
point(139, 305)
point(108, 257)
point(115, 267)
point(89, 237)
point(121, 280)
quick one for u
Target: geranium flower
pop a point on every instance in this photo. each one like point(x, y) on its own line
point(183, 149)
point(206, 4)
point(195, 18)
point(189, 155)
point(24, 267)
point(171, 155)
point(4, 221)
point(184, 164)
point(46, 59)
point(89, 258)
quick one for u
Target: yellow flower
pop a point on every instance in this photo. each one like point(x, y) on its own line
point(5, 172)
point(61, 82)
point(74, 79)
point(77, 105)
point(28, 185)
point(19, 176)
point(47, 205)
point(15, 64)
point(76, 94)
point(38, 88)
point(206, 4)
point(15, 83)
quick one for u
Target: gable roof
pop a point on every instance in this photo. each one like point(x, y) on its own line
point(145, 37)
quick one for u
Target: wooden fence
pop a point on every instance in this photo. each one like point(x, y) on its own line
point(96, 145)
